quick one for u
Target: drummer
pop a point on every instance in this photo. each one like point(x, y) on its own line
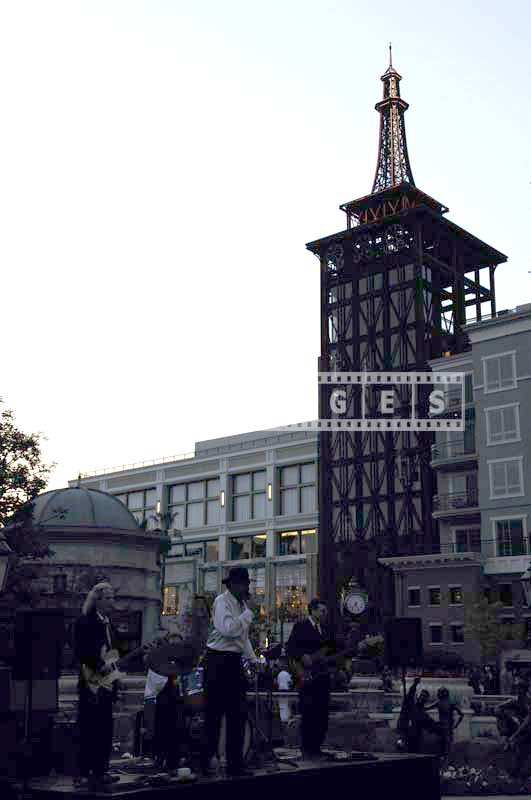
point(164, 690)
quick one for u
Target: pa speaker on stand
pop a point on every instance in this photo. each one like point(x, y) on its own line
point(39, 643)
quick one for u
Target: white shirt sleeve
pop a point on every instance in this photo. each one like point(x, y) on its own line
point(248, 651)
point(227, 623)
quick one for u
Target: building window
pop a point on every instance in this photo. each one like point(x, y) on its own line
point(243, 547)
point(499, 372)
point(435, 595)
point(413, 596)
point(505, 593)
point(204, 551)
point(436, 633)
point(506, 477)
point(456, 595)
point(249, 496)
point(294, 543)
point(510, 537)
point(297, 489)
point(141, 504)
point(195, 504)
point(503, 424)
point(291, 598)
point(467, 540)
point(507, 620)
point(457, 633)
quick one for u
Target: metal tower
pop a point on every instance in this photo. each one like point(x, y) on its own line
point(397, 288)
point(393, 161)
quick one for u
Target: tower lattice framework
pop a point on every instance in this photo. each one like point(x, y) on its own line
point(397, 287)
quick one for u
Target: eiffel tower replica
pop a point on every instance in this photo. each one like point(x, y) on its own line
point(397, 288)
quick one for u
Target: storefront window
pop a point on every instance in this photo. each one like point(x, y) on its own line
point(294, 543)
point(290, 591)
point(171, 600)
point(242, 547)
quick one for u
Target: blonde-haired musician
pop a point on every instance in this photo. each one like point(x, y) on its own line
point(93, 638)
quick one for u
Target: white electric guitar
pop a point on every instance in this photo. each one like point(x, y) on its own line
point(114, 666)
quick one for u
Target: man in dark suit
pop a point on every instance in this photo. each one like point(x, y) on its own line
point(307, 638)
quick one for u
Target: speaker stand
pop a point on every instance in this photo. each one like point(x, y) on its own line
point(28, 732)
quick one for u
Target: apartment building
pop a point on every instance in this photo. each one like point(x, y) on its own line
point(483, 501)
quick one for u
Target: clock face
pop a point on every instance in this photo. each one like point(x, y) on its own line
point(355, 603)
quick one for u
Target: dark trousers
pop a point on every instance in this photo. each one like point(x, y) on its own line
point(170, 728)
point(225, 692)
point(95, 731)
point(314, 704)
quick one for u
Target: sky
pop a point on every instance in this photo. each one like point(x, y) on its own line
point(162, 165)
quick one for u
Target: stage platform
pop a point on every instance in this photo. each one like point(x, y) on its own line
point(364, 776)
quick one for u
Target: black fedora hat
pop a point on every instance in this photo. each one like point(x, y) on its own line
point(237, 575)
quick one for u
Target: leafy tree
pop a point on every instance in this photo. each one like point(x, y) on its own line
point(23, 475)
point(483, 625)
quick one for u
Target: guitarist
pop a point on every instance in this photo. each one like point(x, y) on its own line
point(306, 642)
point(93, 638)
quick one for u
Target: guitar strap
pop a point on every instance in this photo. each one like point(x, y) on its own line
point(108, 637)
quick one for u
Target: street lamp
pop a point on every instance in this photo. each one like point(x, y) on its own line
point(164, 531)
point(525, 581)
point(6, 556)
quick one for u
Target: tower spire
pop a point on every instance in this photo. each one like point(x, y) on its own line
point(393, 165)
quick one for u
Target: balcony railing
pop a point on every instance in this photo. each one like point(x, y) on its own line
point(453, 449)
point(455, 500)
point(462, 547)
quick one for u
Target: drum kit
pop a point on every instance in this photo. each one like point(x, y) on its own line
point(182, 662)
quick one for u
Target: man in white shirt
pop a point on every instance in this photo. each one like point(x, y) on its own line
point(225, 684)
point(284, 681)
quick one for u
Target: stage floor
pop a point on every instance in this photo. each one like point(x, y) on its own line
point(379, 777)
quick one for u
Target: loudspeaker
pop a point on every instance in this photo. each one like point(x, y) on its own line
point(5, 688)
point(39, 643)
point(403, 642)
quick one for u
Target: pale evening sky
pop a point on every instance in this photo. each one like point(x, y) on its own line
point(162, 165)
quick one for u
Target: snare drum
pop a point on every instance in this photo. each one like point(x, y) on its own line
point(192, 686)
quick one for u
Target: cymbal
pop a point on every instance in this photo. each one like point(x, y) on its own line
point(173, 659)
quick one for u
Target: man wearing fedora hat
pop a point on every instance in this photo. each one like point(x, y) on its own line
point(225, 682)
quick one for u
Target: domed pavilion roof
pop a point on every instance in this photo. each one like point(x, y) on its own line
point(79, 507)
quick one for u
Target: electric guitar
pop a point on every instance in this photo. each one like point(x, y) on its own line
point(114, 666)
point(320, 661)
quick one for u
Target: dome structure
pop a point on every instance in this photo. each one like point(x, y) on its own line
point(79, 507)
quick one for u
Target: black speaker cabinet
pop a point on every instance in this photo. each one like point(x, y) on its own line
point(403, 642)
point(39, 642)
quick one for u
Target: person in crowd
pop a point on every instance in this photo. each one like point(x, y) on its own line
point(414, 720)
point(284, 680)
point(387, 680)
point(94, 638)
point(284, 683)
point(514, 723)
point(307, 642)
point(225, 683)
point(447, 712)
point(474, 680)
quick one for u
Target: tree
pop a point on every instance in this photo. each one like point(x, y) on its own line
point(23, 475)
point(482, 624)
